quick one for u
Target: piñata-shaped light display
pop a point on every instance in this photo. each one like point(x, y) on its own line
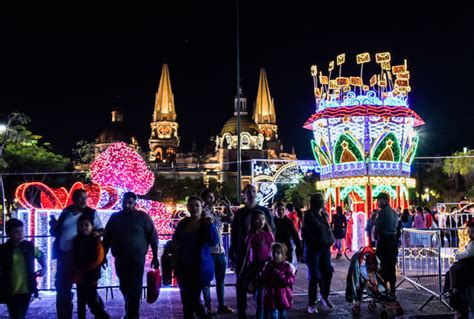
point(364, 133)
point(121, 166)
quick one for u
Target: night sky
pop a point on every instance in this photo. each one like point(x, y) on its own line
point(65, 69)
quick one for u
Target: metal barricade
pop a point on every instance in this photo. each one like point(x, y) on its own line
point(424, 259)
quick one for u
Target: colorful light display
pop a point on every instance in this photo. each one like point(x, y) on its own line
point(364, 139)
point(120, 166)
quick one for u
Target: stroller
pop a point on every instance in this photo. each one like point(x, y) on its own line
point(363, 278)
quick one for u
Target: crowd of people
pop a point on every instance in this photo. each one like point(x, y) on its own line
point(262, 249)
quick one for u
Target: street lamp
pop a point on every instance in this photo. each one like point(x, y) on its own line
point(3, 128)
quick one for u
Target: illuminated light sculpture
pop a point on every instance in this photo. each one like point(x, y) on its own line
point(121, 166)
point(364, 140)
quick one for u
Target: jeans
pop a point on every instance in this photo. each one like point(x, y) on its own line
point(220, 266)
point(18, 305)
point(338, 245)
point(241, 289)
point(87, 295)
point(63, 285)
point(318, 261)
point(387, 252)
point(190, 294)
point(259, 303)
point(274, 314)
point(130, 274)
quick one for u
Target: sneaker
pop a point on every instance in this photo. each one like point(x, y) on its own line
point(326, 304)
point(312, 309)
point(209, 311)
point(225, 310)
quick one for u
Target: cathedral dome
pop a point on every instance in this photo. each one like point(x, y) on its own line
point(246, 125)
point(116, 131)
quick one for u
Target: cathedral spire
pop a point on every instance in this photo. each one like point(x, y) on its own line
point(164, 102)
point(264, 112)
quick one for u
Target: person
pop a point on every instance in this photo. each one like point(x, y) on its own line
point(293, 216)
point(349, 231)
point(128, 234)
point(259, 242)
point(386, 228)
point(419, 221)
point(88, 256)
point(459, 276)
point(277, 279)
point(17, 270)
point(369, 227)
point(339, 224)
point(318, 238)
point(64, 230)
point(217, 251)
point(406, 222)
point(194, 266)
point(428, 218)
point(238, 248)
point(285, 232)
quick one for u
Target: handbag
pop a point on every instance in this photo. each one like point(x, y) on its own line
point(153, 285)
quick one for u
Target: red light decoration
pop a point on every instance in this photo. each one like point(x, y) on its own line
point(363, 110)
point(58, 198)
point(121, 166)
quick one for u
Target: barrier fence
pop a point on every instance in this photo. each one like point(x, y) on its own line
point(425, 257)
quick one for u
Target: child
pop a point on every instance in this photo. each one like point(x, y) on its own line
point(88, 256)
point(259, 242)
point(17, 270)
point(277, 279)
point(460, 277)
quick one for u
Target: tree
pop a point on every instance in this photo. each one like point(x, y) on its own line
point(23, 152)
point(83, 154)
point(462, 163)
point(299, 194)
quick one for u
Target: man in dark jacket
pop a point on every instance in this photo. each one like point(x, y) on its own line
point(318, 239)
point(238, 248)
point(129, 233)
point(386, 229)
point(286, 231)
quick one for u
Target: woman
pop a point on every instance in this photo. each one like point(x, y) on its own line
point(407, 222)
point(318, 238)
point(194, 266)
point(339, 224)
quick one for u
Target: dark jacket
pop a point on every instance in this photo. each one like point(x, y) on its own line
point(88, 255)
point(194, 264)
point(339, 225)
point(285, 232)
point(316, 230)
point(239, 228)
point(6, 260)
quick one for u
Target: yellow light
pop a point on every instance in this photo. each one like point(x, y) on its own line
point(396, 69)
point(333, 85)
point(356, 81)
point(341, 58)
point(342, 81)
point(314, 70)
point(331, 66)
point(323, 79)
point(363, 58)
point(382, 57)
point(385, 66)
point(373, 80)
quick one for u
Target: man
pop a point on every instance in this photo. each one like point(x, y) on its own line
point(285, 232)
point(217, 252)
point(318, 239)
point(293, 216)
point(238, 249)
point(65, 230)
point(386, 229)
point(129, 233)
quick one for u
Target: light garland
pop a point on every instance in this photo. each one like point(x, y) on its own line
point(384, 189)
point(121, 166)
point(367, 180)
point(358, 189)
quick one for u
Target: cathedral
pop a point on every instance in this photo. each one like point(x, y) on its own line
point(258, 137)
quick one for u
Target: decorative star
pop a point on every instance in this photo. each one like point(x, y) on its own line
point(257, 170)
point(267, 171)
point(273, 167)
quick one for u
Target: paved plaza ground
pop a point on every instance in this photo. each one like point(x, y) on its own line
point(169, 304)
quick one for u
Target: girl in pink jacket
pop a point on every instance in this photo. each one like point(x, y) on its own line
point(277, 279)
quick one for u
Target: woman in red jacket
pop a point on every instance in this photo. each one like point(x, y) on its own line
point(277, 279)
